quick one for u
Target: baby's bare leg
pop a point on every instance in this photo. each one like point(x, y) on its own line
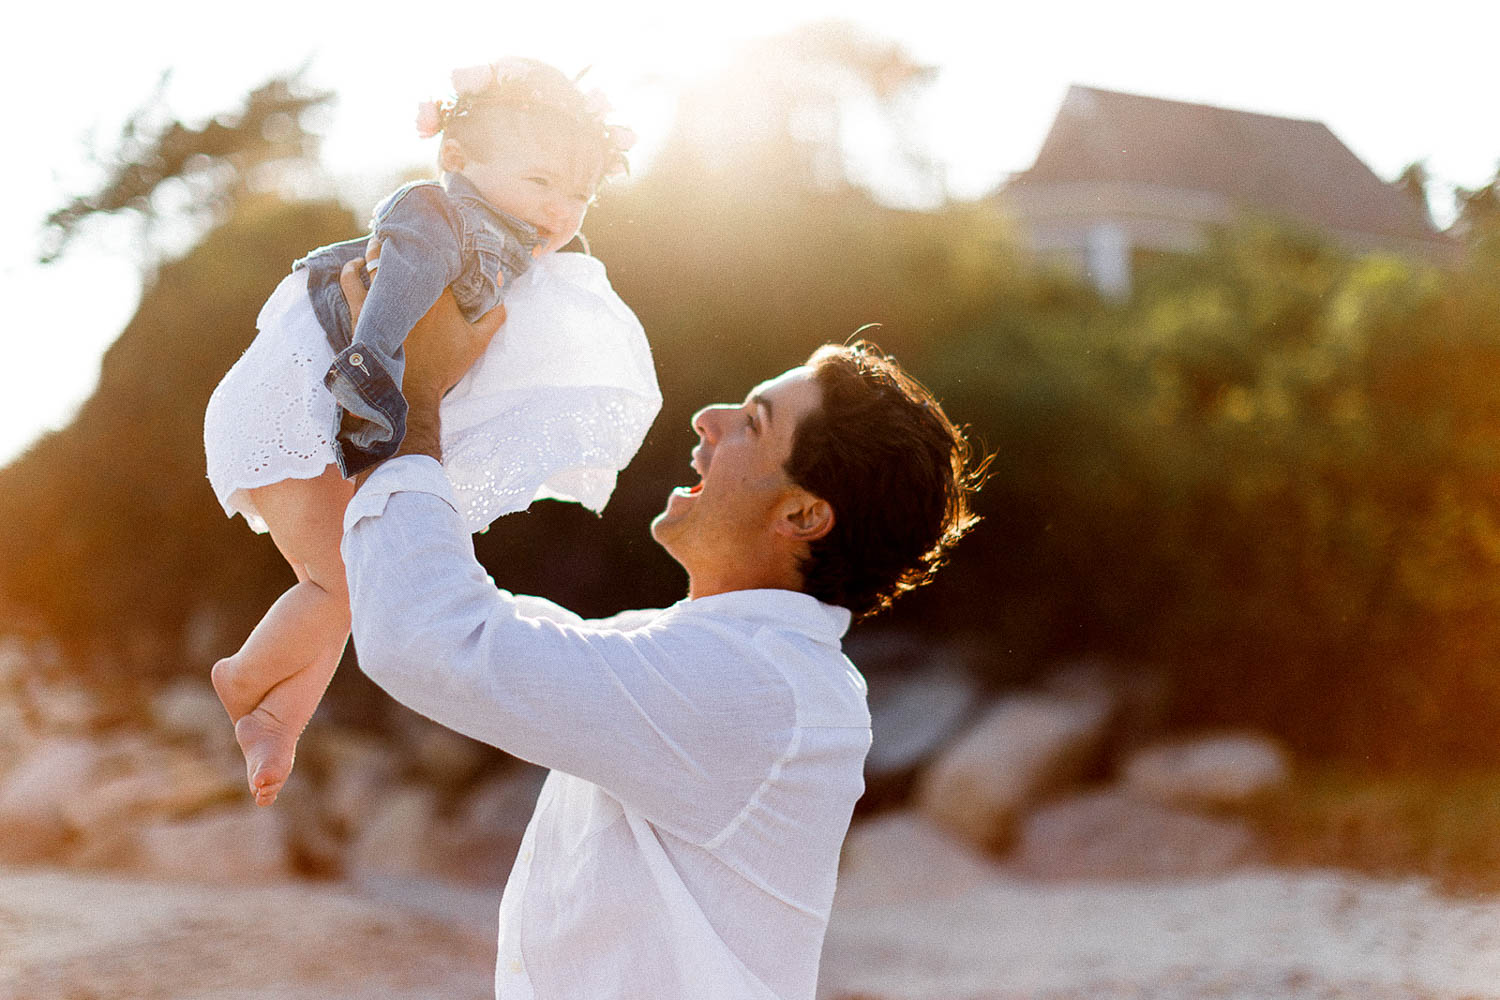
point(268, 734)
point(273, 684)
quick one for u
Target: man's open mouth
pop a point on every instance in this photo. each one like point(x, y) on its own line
point(695, 488)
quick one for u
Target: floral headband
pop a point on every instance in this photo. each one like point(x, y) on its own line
point(505, 82)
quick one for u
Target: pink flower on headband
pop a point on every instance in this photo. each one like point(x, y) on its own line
point(429, 119)
point(472, 79)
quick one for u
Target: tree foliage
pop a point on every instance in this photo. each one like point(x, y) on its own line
point(213, 159)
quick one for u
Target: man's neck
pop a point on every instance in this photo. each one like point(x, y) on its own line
point(709, 584)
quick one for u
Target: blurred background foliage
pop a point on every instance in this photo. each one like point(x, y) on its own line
point(1270, 474)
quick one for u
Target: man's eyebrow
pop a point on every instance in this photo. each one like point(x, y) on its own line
point(756, 399)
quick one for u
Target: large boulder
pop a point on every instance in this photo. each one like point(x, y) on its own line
point(1138, 697)
point(478, 845)
point(1021, 750)
point(170, 785)
point(63, 708)
point(500, 805)
point(1114, 835)
point(902, 857)
point(190, 710)
point(440, 757)
point(240, 845)
point(1220, 770)
point(912, 717)
point(354, 772)
point(17, 738)
point(401, 836)
point(36, 795)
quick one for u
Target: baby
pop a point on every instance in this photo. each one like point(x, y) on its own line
point(557, 405)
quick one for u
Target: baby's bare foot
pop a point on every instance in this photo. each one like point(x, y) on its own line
point(269, 747)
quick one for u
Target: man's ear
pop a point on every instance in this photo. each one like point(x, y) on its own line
point(805, 518)
point(451, 155)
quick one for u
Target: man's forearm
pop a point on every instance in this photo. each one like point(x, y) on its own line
point(423, 437)
point(423, 430)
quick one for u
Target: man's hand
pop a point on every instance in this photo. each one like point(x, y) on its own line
point(441, 347)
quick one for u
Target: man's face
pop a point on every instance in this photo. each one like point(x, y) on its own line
point(724, 523)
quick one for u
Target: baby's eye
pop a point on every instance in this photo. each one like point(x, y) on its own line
point(538, 180)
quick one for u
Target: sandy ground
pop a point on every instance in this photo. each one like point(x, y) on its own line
point(916, 919)
point(70, 936)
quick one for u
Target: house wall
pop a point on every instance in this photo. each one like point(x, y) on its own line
point(1093, 228)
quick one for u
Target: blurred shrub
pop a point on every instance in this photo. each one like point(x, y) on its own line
point(1273, 473)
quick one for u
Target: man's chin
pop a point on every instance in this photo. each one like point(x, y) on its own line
point(671, 526)
point(662, 526)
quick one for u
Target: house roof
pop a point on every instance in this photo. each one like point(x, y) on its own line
point(1290, 167)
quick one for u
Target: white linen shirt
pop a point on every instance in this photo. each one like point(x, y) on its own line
point(705, 758)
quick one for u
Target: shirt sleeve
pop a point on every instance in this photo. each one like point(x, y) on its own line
point(682, 722)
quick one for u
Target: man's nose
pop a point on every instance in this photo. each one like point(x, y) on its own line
point(706, 422)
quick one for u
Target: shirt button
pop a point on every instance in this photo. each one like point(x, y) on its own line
point(515, 966)
point(356, 360)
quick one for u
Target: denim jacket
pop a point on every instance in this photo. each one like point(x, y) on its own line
point(432, 235)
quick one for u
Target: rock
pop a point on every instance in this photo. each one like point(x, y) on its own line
point(1112, 834)
point(64, 708)
point(1023, 748)
point(501, 805)
point(479, 845)
point(400, 836)
point(17, 739)
point(236, 846)
point(35, 795)
point(1222, 770)
point(912, 716)
point(445, 758)
point(316, 845)
point(15, 661)
point(190, 710)
point(356, 772)
point(1137, 696)
point(900, 858)
point(170, 786)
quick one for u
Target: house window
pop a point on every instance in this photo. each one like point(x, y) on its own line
point(1107, 259)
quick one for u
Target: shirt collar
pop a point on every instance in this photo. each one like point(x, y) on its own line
point(461, 188)
point(784, 609)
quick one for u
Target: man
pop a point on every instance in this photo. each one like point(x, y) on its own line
point(705, 758)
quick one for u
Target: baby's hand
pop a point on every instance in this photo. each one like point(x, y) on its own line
point(372, 254)
point(441, 346)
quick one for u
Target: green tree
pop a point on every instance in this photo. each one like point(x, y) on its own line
point(215, 163)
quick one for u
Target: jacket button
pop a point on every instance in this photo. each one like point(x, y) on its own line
point(356, 360)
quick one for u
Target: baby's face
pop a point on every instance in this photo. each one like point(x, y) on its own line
point(547, 185)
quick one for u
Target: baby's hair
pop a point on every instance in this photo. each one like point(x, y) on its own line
point(493, 100)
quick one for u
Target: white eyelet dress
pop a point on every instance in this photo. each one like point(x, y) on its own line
point(556, 406)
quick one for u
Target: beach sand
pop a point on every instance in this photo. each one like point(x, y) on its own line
point(916, 918)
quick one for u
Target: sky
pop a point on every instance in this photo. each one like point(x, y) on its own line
point(1395, 90)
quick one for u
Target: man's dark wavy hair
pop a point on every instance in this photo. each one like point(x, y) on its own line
point(895, 469)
